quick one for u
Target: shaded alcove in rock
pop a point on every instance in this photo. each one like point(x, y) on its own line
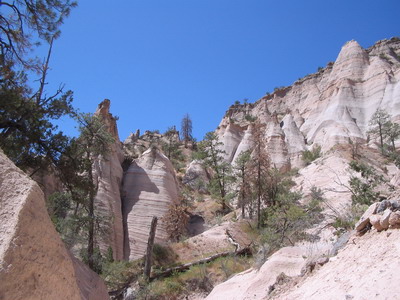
point(195, 225)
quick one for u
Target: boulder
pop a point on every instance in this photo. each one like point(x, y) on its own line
point(375, 222)
point(322, 260)
point(34, 263)
point(364, 220)
point(394, 219)
point(384, 221)
point(395, 205)
point(382, 206)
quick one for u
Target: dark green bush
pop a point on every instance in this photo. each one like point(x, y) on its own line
point(309, 156)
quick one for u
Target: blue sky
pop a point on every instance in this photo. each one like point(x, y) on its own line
point(158, 60)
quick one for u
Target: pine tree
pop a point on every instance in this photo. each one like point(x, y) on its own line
point(260, 168)
point(392, 133)
point(213, 157)
point(377, 125)
point(19, 19)
point(94, 141)
point(186, 129)
point(242, 166)
point(27, 134)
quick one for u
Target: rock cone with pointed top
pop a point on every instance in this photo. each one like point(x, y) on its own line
point(149, 188)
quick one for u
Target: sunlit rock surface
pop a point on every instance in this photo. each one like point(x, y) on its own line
point(149, 188)
point(108, 174)
point(327, 107)
point(34, 264)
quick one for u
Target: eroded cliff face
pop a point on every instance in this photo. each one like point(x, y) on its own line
point(149, 188)
point(325, 108)
point(34, 263)
point(108, 174)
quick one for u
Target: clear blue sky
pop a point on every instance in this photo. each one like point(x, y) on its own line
point(157, 60)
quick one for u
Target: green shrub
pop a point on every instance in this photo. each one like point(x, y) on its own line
point(250, 118)
point(345, 223)
point(309, 156)
point(364, 190)
point(163, 255)
point(117, 273)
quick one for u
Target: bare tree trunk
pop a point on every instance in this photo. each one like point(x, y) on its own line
point(381, 137)
point(184, 267)
point(90, 248)
point(149, 251)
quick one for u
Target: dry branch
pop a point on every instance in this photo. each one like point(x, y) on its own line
point(205, 260)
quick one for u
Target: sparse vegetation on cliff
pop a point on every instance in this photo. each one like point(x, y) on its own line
point(309, 156)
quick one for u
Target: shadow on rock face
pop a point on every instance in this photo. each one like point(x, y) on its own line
point(134, 185)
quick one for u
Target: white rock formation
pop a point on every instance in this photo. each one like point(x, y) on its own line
point(328, 107)
point(294, 140)
point(230, 136)
point(196, 176)
point(367, 268)
point(276, 145)
point(254, 284)
point(149, 188)
point(245, 144)
point(330, 174)
point(34, 264)
point(108, 174)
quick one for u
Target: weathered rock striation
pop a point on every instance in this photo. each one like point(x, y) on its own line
point(325, 108)
point(108, 174)
point(367, 268)
point(34, 262)
point(149, 188)
point(254, 284)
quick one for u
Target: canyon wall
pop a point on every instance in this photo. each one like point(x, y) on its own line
point(324, 108)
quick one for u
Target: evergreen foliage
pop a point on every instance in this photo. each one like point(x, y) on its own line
point(213, 157)
point(378, 122)
point(23, 20)
point(260, 170)
point(27, 134)
point(309, 156)
point(391, 131)
point(242, 173)
point(186, 129)
point(364, 188)
point(285, 219)
point(171, 147)
point(76, 168)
